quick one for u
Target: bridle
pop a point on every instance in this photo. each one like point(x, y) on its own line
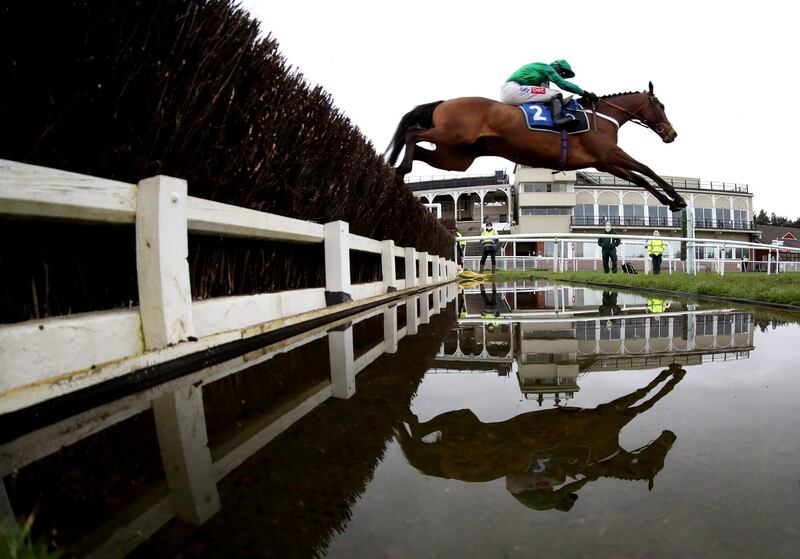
point(657, 126)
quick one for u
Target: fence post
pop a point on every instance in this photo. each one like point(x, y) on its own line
point(342, 362)
point(337, 263)
point(183, 441)
point(423, 268)
point(435, 268)
point(162, 268)
point(411, 267)
point(387, 266)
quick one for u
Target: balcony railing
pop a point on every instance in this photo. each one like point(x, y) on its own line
point(592, 221)
point(597, 179)
point(465, 181)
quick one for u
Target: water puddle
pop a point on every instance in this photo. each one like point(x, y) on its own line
point(500, 420)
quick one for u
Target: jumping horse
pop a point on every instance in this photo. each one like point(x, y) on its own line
point(468, 127)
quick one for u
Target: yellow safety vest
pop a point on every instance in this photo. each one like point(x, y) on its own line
point(462, 243)
point(655, 247)
point(488, 237)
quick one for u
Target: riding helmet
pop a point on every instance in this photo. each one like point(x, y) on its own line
point(564, 65)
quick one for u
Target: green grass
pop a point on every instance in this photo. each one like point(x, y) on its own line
point(16, 542)
point(775, 288)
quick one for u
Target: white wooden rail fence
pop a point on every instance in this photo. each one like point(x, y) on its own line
point(91, 347)
point(192, 468)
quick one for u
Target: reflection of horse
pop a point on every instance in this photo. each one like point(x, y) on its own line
point(538, 451)
point(470, 127)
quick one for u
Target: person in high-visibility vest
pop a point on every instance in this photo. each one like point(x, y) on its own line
point(489, 242)
point(656, 305)
point(490, 309)
point(655, 248)
point(461, 244)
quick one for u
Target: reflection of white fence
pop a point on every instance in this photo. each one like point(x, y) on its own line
point(562, 259)
point(192, 469)
point(168, 324)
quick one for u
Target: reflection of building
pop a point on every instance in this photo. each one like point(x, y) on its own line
point(551, 335)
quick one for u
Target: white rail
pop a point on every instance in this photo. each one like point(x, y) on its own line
point(168, 324)
point(560, 258)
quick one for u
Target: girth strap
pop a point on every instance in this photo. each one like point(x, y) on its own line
point(562, 161)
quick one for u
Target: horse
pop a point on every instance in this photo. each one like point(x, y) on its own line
point(468, 127)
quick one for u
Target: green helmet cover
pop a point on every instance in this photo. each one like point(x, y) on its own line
point(564, 65)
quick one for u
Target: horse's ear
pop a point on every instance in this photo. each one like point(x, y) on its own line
point(651, 88)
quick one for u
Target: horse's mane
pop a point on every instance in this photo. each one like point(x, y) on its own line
point(620, 94)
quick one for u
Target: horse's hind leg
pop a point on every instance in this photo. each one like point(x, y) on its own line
point(446, 158)
point(411, 146)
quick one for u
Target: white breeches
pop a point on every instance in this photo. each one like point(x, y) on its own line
point(516, 94)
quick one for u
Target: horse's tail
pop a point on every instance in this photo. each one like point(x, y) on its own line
point(421, 116)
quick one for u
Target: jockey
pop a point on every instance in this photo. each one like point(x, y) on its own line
point(531, 84)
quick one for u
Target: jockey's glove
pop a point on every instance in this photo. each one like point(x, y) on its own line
point(589, 96)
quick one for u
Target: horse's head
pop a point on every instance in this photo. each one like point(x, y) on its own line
point(656, 119)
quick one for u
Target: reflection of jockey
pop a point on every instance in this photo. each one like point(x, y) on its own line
point(656, 305)
point(545, 456)
point(531, 84)
point(490, 309)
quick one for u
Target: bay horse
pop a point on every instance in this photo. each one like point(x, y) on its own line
point(468, 127)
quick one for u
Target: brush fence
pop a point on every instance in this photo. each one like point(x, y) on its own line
point(71, 352)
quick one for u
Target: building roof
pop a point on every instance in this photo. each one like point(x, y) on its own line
point(771, 233)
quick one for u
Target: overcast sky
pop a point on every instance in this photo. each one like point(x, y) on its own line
point(719, 68)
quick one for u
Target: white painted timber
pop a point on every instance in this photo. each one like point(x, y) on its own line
point(215, 218)
point(365, 244)
point(424, 278)
point(231, 313)
point(435, 270)
point(337, 256)
point(39, 350)
point(343, 374)
point(367, 290)
point(33, 191)
point(162, 249)
point(425, 308)
point(399, 252)
point(411, 267)
point(388, 272)
point(182, 438)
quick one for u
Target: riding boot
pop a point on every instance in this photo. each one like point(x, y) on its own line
point(493, 270)
point(481, 270)
point(556, 106)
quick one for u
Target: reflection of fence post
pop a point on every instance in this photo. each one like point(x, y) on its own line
point(162, 249)
point(337, 262)
point(424, 308)
point(411, 267)
point(182, 438)
point(435, 268)
point(390, 330)
point(387, 266)
point(423, 268)
point(342, 361)
point(437, 301)
point(412, 319)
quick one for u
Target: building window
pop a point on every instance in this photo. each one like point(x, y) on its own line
point(608, 212)
point(659, 327)
point(724, 218)
point(702, 218)
point(585, 330)
point(634, 214)
point(741, 219)
point(704, 325)
point(658, 216)
point(543, 187)
point(584, 214)
point(544, 210)
point(634, 328)
point(741, 323)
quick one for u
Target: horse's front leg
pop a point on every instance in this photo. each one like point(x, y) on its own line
point(638, 180)
point(624, 160)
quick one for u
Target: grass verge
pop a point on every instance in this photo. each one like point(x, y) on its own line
point(776, 288)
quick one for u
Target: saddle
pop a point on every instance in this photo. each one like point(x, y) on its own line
point(538, 117)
